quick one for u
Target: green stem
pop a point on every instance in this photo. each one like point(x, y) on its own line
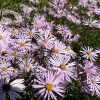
point(1, 10)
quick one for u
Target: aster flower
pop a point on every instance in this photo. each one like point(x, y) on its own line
point(89, 69)
point(11, 88)
point(22, 42)
point(63, 29)
point(58, 48)
point(35, 1)
point(15, 73)
point(26, 10)
point(89, 54)
point(12, 53)
point(45, 39)
point(38, 19)
point(65, 68)
point(29, 31)
point(94, 10)
point(4, 38)
point(94, 84)
point(6, 69)
point(91, 22)
point(5, 22)
point(47, 86)
point(18, 17)
point(83, 3)
point(12, 31)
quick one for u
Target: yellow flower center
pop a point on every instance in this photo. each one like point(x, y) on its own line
point(90, 23)
point(3, 24)
point(5, 69)
point(12, 31)
point(83, 3)
point(63, 67)
point(56, 4)
point(42, 44)
point(22, 44)
point(14, 72)
point(49, 86)
point(93, 10)
point(31, 32)
point(0, 37)
point(56, 50)
point(89, 52)
point(32, 47)
point(28, 65)
point(9, 11)
point(68, 49)
point(24, 57)
point(36, 23)
point(46, 40)
point(15, 53)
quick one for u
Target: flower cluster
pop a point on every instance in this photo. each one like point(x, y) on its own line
point(43, 49)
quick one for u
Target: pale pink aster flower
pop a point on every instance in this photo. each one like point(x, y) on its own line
point(26, 10)
point(90, 22)
point(94, 84)
point(5, 22)
point(28, 63)
point(13, 53)
point(34, 47)
point(4, 38)
point(15, 73)
point(65, 68)
point(45, 39)
point(93, 10)
point(59, 13)
point(59, 48)
point(22, 42)
point(11, 88)
point(69, 16)
point(38, 19)
point(83, 3)
point(19, 18)
point(29, 31)
point(47, 86)
point(93, 1)
point(76, 20)
point(89, 54)
point(12, 31)
point(35, 1)
point(8, 11)
point(63, 29)
point(58, 4)
point(89, 69)
point(6, 69)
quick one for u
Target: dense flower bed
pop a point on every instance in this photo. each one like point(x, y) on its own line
point(38, 52)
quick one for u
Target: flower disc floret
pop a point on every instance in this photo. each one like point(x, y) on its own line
point(22, 44)
point(49, 86)
point(15, 53)
point(89, 52)
point(0, 37)
point(5, 69)
point(63, 67)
